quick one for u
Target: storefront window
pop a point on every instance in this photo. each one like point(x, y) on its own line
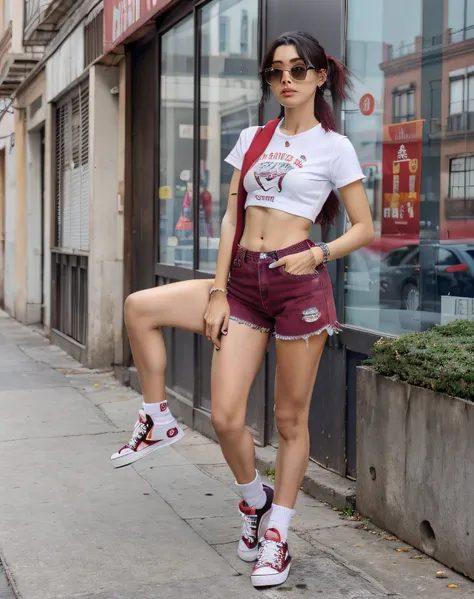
point(229, 103)
point(412, 124)
point(176, 145)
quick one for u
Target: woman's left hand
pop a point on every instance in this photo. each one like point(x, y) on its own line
point(303, 263)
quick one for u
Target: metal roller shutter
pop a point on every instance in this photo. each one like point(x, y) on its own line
point(72, 171)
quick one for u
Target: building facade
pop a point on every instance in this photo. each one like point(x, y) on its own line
point(115, 118)
point(63, 221)
point(192, 88)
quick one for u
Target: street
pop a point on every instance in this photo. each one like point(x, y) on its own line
point(72, 526)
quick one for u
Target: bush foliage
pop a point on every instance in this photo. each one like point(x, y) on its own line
point(441, 359)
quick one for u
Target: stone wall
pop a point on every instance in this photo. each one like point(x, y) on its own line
point(415, 466)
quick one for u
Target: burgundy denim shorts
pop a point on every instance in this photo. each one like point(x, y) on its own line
point(274, 301)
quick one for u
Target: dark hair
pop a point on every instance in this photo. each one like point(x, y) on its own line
point(312, 53)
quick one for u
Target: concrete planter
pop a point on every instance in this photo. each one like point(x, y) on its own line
point(415, 466)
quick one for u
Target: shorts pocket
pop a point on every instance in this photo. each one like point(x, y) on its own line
point(288, 275)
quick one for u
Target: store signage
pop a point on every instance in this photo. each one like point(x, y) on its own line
point(401, 166)
point(124, 17)
point(367, 104)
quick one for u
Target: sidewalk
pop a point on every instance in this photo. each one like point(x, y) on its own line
point(73, 527)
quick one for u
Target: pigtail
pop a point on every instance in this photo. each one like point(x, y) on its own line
point(338, 81)
point(338, 84)
point(323, 111)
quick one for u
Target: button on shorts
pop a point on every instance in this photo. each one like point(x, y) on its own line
point(274, 301)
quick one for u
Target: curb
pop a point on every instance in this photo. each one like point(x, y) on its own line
point(318, 482)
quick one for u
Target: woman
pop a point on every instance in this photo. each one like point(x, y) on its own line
point(283, 181)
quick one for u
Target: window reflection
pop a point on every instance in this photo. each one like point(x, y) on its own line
point(229, 103)
point(461, 20)
point(176, 145)
point(417, 150)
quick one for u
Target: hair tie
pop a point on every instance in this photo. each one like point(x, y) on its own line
point(329, 57)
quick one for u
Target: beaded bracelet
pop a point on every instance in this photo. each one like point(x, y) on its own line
point(326, 251)
point(214, 289)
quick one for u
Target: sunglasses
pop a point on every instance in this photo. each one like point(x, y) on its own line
point(297, 73)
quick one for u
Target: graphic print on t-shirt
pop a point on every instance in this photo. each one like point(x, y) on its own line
point(273, 168)
point(271, 174)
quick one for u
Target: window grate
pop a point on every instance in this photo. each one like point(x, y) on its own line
point(94, 38)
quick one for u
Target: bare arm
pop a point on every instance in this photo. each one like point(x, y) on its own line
point(362, 231)
point(228, 225)
point(218, 312)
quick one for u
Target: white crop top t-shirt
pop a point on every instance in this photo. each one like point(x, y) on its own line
point(297, 173)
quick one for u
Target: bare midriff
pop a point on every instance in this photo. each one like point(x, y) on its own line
point(267, 229)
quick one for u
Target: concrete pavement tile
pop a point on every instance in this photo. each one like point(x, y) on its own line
point(92, 382)
point(312, 514)
point(192, 493)
point(22, 336)
point(220, 472)
point(312, 577)
point(123, 413)
point(218, 529)
point(414, 579)
point(70, 523)
point(161, 458)
point(6, 591)
point(231, 587)
point(15, 381)
point(20, 364)
point(229, 552)
point(52, 355)
point(102, 395)
point(210, 453)
point(195, 438)
point(47, 413)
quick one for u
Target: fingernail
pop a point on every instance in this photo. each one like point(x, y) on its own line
point(272, 265)
point(225, 332)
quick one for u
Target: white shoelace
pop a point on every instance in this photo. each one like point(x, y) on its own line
point(139, 431)
point(250, 526)
point(271, 553)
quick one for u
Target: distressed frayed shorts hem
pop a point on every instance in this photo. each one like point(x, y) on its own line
point(272, 301)
point(251, 324)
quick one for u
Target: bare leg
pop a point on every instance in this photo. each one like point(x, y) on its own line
point(234, 368)
point(176, 305)
point(297, 366)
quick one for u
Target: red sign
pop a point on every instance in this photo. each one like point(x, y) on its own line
point(124, 17)
point(401, 166)
point(367, 104)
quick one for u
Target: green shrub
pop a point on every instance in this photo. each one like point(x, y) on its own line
point(441, 359)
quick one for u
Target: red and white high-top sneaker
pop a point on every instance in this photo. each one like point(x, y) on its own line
point(273, 562)
point(147, 437)
point(253, 526)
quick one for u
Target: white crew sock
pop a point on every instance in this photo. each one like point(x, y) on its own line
point(253, 493)
point(280, 519)
point(159, 412)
